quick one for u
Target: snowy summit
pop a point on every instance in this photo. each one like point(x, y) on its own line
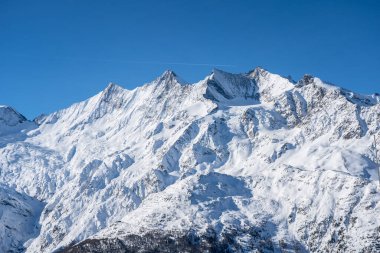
point(252, 162)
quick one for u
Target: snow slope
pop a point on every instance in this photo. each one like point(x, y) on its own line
point(237, 162)
point(18, 219)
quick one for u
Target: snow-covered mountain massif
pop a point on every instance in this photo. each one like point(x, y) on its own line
point(234, 163)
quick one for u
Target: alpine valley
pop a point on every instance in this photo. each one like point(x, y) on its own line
point(250, 162)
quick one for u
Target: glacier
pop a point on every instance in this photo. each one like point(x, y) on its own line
point(251, 162)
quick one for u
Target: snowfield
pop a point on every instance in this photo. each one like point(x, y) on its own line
point(250, 162)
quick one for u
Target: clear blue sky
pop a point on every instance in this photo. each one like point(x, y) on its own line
point(55, 53)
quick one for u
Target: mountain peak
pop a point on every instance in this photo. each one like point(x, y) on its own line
point(111, 90)
point(112, 87)
point(260, 69)
point(170, 76)
point(10, 116)
point(169, 73)
point(257, 71)
point(306, 79)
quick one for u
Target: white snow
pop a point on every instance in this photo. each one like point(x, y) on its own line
point(18, 219)
point(231, 151)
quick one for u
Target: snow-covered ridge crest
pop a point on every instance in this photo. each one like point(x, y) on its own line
point(95, 107)
point(230, 162)
point(220, 85)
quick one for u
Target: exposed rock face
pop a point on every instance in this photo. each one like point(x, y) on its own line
point(156, 241)
point(233, 163)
